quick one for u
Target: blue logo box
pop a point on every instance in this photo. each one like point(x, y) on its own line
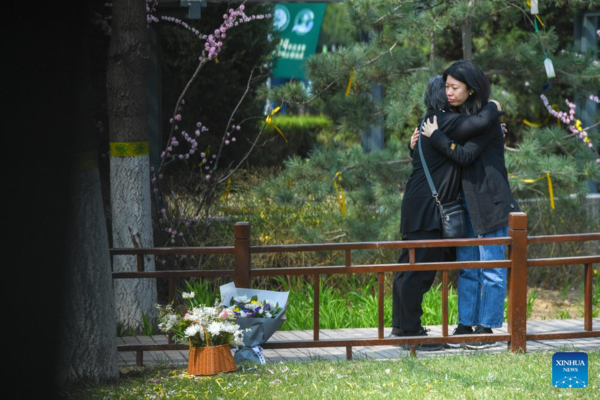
point(570, 370)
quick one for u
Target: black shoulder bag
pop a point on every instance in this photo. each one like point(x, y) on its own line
point(453, 214)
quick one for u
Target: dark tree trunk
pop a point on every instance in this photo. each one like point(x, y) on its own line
point(87, 340)
point(129, 162)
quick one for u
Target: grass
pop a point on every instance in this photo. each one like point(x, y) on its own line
point(352, 303)
point(473, 376)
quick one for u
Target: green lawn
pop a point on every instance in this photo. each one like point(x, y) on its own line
point(473, 376)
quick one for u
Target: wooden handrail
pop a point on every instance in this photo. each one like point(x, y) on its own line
point(516, 265)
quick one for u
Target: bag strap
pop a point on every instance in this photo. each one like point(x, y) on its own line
point(434, 192)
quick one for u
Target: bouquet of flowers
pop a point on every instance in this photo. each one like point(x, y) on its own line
point(195, 326)
point(244, 307)
point(259, 312)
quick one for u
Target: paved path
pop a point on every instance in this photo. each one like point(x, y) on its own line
point(371, 352)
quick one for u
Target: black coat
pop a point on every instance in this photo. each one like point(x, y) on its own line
point(419, 211)
point(484, 176)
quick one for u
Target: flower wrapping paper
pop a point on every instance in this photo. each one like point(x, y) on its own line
point(261, 329)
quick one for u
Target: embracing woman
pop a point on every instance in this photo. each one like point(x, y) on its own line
point(420, 219)
point(487, 196)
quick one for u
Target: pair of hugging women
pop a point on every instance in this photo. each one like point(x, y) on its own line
point(463, 147)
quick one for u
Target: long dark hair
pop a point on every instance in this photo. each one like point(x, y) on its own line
point(435, 94)
point(472, 76)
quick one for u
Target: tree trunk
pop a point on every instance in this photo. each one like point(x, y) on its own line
point(129, 161)
point(467, 44)
point(88, 348)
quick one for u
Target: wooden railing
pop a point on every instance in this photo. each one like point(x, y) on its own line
point(517, 264)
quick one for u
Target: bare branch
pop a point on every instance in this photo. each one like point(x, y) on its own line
point(231, 116)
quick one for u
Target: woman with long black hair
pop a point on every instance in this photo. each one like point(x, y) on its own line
point(420, 219)
point(487, 196)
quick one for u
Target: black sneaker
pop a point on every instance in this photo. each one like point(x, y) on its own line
point(460, 330)
point(421, 347)
point(481, 345)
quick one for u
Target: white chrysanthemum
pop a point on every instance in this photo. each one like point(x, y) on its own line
point(252, 306)
point(268, 315)
point(241, 299)
point(210, 311)
point(189, 295)
point(215, 328)
point(243, 314)
point(229, 327)
point(193, 330)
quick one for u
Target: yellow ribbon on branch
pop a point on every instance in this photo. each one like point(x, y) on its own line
point(225, 194)
point(546, 176)
point(269, 121)
point(339, 192)
point(536, 15)
point(540, 124)
point(351, 82)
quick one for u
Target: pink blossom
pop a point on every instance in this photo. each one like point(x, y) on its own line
point(225, 314)
point(238, 128)
point(178, 117)
point(233, 139)
point(207, 177)
point(227, 142)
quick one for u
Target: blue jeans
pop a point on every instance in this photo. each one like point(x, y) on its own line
point(481, 292)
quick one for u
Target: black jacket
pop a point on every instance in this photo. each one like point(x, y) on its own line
point(484, 176)
point(419, 211)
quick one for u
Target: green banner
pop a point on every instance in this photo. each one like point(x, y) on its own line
point(299, 25)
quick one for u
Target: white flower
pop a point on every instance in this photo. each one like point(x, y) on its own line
point(229, 327)
point(268, 315)
point(241, 299)
point(215, 328)
point(252, 306)
point(193, 330)
point(243, 314)
point(189, 295)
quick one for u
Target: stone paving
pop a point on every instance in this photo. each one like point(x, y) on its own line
point(371, 352)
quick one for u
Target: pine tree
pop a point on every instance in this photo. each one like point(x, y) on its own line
point(412, 41)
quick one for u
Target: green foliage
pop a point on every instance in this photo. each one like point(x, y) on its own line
point(204, 293)
point(410, 42)
point(353, 303)
point(301, 132)
point(336, 29)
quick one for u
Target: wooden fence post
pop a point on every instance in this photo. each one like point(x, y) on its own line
point(241, 247)
point(517, 300)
